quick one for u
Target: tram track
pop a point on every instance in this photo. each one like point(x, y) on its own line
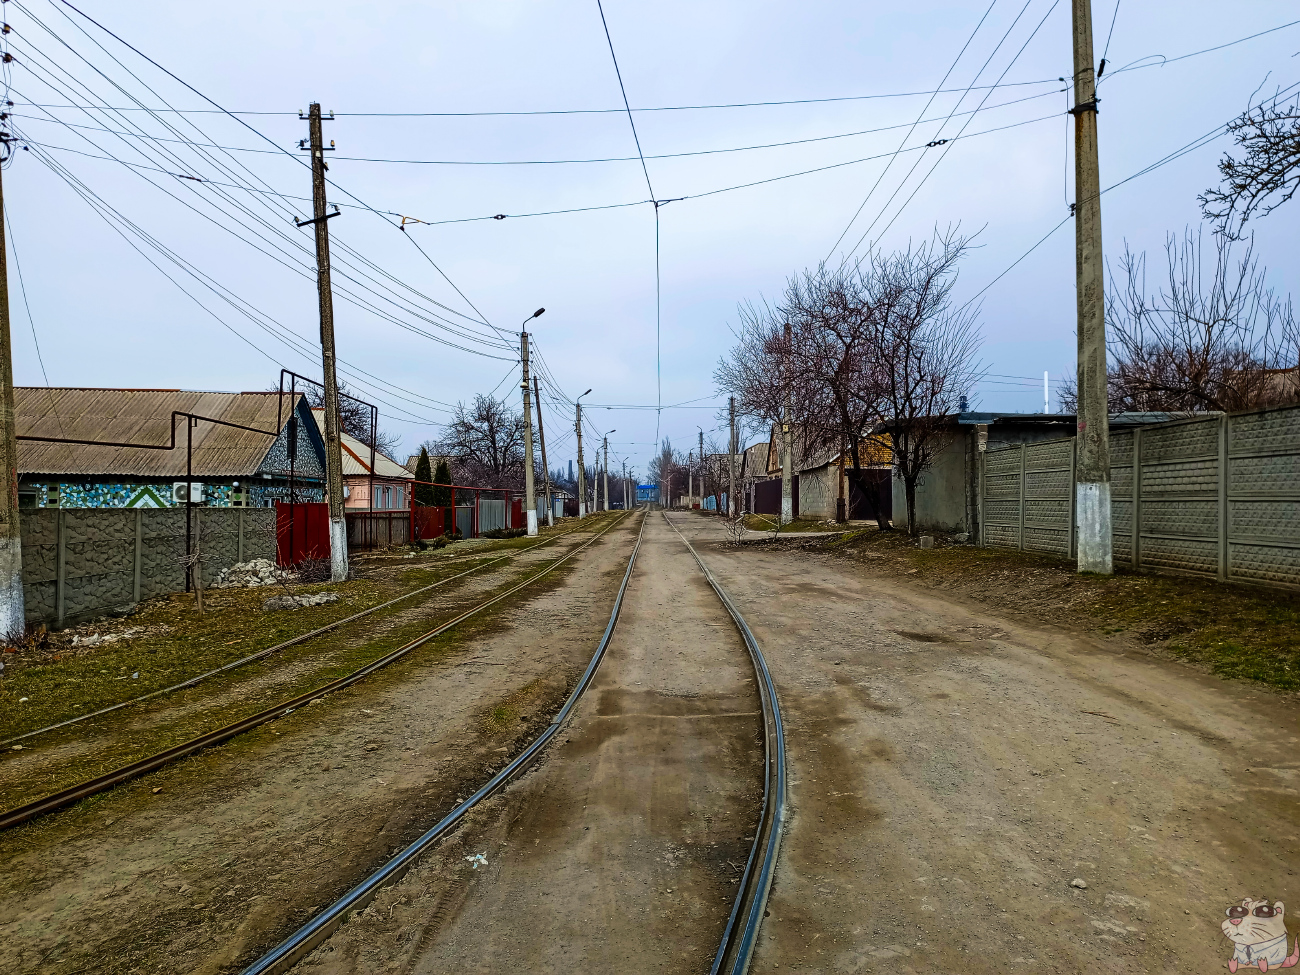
point(742, 924)
point(150, 763)
point(284, 645)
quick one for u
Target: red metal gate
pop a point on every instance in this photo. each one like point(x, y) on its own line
point(302, 531)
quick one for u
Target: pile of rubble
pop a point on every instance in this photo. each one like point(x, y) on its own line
point(258, 572)
point(89, 636)
point(294, 602)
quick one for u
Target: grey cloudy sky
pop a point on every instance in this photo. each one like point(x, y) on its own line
point(104, 316)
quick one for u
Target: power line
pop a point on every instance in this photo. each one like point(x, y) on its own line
point(1137, 65)
point(948, 148)
point(558, 162)
point(277, 229)
point(1195, 144)
point(952, 67)
point(117, 221)
point(585, 111)
point(210, 101)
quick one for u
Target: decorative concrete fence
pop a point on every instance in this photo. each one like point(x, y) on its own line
point(80, 563)
point(1216, 496)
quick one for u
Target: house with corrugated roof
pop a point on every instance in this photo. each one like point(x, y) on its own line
point(140, 448)
point(366, 469)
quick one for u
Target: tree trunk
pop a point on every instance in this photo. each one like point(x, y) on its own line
point(909, 488)
point(873, 502)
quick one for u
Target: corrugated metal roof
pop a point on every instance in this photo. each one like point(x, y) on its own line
point(142, 416)
point(356, 455)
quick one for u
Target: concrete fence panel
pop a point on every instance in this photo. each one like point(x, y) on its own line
point(80, 563)
point(1215, 496)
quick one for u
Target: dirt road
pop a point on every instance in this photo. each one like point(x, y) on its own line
point(954, 774)
point(622, 852)
point(202, 865)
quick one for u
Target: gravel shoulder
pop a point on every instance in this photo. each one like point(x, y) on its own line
point(954, 771)
point(203, 865)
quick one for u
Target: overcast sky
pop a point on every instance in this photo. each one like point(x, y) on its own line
point(104, 316)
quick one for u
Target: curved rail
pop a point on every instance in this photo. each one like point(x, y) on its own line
point(741, 931)
point(260, 654)
point(308, 937)
point(150, 763)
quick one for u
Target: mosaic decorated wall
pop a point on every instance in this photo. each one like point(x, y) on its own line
point(126, 495)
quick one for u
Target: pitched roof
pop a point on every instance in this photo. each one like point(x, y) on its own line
point(356, 455)
point(143, 416)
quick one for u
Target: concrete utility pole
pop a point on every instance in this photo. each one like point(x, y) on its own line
point(530, 496)
point(582, 471)
point(606, 469)
point(690, 480)
point(333, 452)
point(1092, 464)
point(702, 469)
point(787, 440)
point(546, 471)
point(733, 448)
point(13, 618)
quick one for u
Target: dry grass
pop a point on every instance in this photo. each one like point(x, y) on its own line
point(1235, 631)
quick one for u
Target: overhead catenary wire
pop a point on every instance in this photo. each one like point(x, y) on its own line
point(653, 199)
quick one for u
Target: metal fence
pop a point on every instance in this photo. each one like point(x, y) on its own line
point(1217, 496)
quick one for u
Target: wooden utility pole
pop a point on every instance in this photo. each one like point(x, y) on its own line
point(787, 462)
point(1092, 467)
point(530, 498)
point(733, 509)
point(546, 471)
point(333, 452)
point(13, 620)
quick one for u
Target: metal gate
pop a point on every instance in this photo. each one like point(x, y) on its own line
point(491, 514)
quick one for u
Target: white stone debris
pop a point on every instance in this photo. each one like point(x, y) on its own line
point(257, 572)
point(95, 639)
point(294, 602)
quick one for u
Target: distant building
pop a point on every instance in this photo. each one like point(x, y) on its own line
point(230, 467)
point(391, 481)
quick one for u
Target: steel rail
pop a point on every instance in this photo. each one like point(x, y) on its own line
point(108, 780)
point(741, 932)
point(260, 654)
point(308, 937)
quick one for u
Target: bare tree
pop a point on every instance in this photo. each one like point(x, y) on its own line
point(664, 467)
point(355, 418)
point(924, 349)
point(834, 360)
point(485, 443)
point(1267, 176)
point(1207, 339)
